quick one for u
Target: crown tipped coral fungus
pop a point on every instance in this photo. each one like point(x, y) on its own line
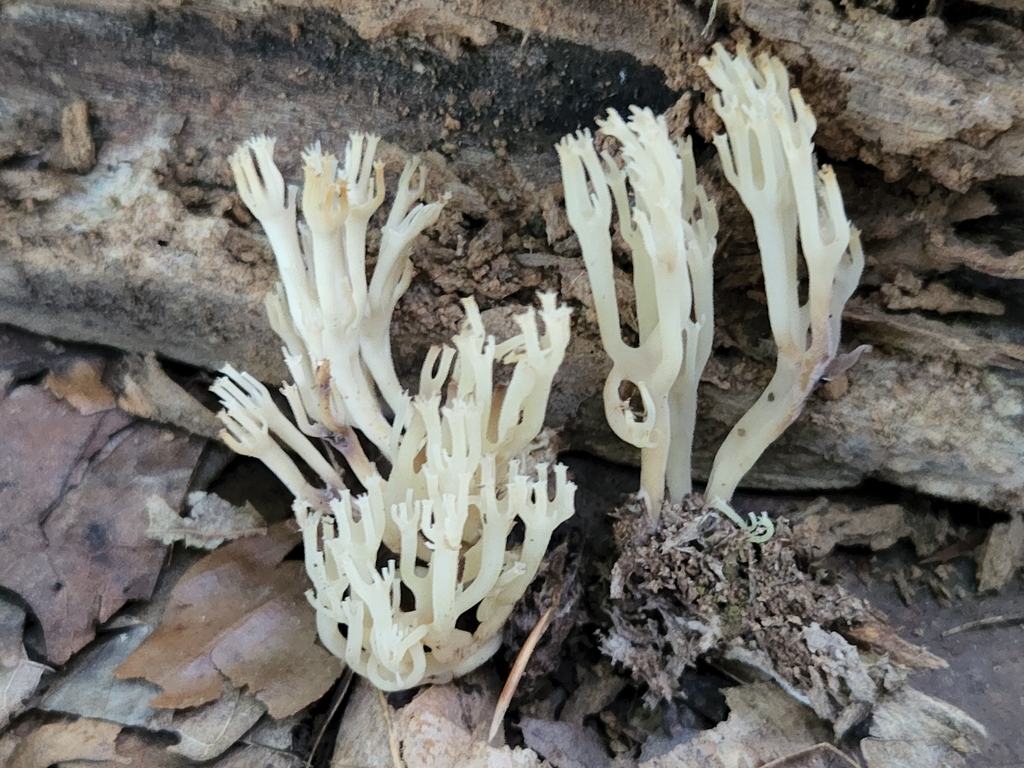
point(459, 478)
point(670, 227)
point(768, 156)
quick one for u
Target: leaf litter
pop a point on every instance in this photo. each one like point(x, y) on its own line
point(210, 522)
point(74, 544)
point(240, 613)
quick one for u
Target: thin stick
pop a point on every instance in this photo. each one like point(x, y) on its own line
point(396, 752)
point(339, 696)
point(989, 621)
point(517, 671)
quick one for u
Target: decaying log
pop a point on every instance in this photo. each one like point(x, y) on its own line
point(119, 224)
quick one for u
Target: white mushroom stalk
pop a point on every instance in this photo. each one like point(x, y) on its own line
point(670, 227)
point(768, 156)
point(460, 477)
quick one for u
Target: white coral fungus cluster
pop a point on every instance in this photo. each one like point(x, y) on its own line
point(414, 577)
point(670, 227)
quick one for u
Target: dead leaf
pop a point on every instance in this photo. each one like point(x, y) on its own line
point(144, 389)
point(818, 756)
point(135, 749)
point(447, 725)
point(73, 544)
point(276, 734)
point(19, 675)
point(79, 381)
point(252, 756)
point(74, 691)
point(824, 525)
point(239, 613)
point(764, 724)
point(59, 742)
point(122, 701)
point(211, 521)
point(89, 689)
point(1001, 555)
point(913, 730)
point(598, 687)
point(212, 729)
point(363, 736)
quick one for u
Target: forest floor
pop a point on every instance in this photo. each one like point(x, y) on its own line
point(83, 585)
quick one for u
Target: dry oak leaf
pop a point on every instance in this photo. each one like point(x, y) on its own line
point(239, 613)
point(73, 539)
point(83, 739)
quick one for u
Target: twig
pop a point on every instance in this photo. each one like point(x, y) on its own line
point(396, 752)
point(517, 671)
point(339, 696)
point(988, 621)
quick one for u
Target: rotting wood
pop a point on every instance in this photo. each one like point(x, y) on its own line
point(149, 249)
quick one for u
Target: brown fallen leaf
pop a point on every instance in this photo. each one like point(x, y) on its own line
point(363, 737)
point(912, 730)
point(136, 749)
point(140, 749)
point(86, 687)
point(447, 725)
point(210, 730)
point(60, 742)
point(598, 687)
point(19, 675)
point(1001, 556)
point(73, 544)
point(239, 613)
point(254, 756)
point(565, 745)
point(79, 381)
point(825, 525)
point(210, 522)
point(818, 756)
point(143, 388)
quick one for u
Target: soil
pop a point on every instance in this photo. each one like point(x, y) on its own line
point(985, 677)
